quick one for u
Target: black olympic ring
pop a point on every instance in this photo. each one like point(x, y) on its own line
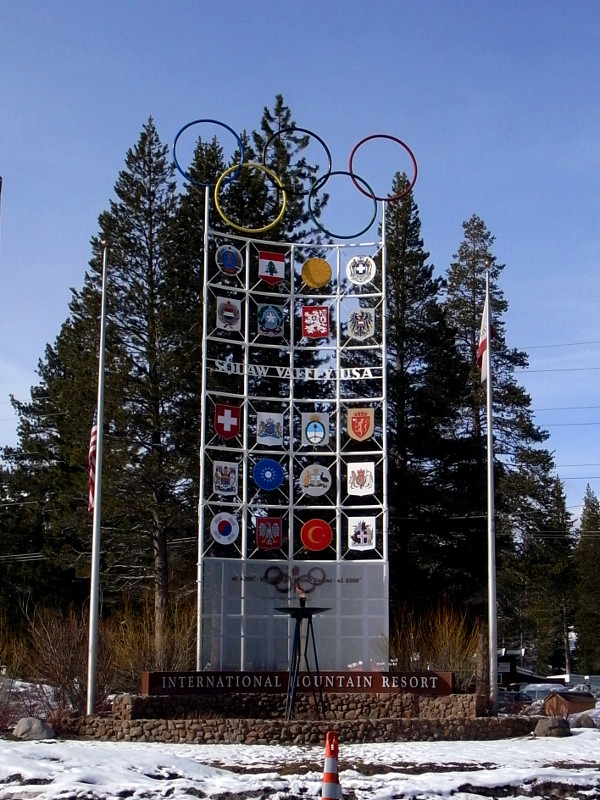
point(277, 134)
point(231, 173)
point(319, 185)
point(283, 581)
point(186, 175)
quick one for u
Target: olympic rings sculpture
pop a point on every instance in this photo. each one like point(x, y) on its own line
point(233, 172)
point(304, 584)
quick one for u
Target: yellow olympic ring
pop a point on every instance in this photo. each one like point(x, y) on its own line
point(277, 182)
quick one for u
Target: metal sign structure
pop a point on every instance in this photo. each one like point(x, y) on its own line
point(293, 443)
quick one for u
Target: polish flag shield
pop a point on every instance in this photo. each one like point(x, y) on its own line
point(227, 420)
point(269, 533)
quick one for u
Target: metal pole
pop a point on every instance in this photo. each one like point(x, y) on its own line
point(0, 213)
point(492, 607)
point(95, 565)
point(203, 423)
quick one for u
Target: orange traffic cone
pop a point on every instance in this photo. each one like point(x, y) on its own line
point(331, 784)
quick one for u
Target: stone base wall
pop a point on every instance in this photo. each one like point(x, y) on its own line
point(338, 706)
point(252, 731)
point(260, 719)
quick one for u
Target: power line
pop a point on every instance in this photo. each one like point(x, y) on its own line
point(565, 408)
point(565, 424)
point(526, 370)
point(560, 344)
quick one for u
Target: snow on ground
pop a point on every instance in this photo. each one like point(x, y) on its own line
point(526, 767)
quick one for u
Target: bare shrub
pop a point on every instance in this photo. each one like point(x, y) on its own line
point(440, 639)
point(60, 656)
point(130, 638)
point(53, 652)
point(14, 649)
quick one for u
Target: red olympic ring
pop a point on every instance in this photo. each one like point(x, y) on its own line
point(387, 199)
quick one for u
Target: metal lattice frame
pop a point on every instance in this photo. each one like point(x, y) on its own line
point(283, 357)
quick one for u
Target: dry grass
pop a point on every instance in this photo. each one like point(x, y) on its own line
point(52, 650)
point(440, 639)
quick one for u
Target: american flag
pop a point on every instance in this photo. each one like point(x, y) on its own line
point(92, 462)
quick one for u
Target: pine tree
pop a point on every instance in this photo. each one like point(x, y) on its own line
point(587, 572)
point(517, 440)
point(142, 472)
point(282, 150)
point(546, 566)
point(138, 228)
point(48, 469)
point(426, 380)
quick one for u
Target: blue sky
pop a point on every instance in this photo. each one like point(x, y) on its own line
point(498, 101)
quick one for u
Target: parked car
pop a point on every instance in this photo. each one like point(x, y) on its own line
point(512, 702)
point(540, 691)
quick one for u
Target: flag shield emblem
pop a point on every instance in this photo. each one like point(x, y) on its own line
point(229, 259)
point(361, 423)
point(315, 429)
point(361, 323)
point(229, 314)
point(270, 319)
point(225, 477)
point(269, 533)
point(268, 474)
point(315, 322)
point(360, 269)
point(224, 528)
point(269, 428)
point(361, 478)
point(227, 420)
point(271, 267)
point(361, 533)
point(316, 534)
point(315, 480)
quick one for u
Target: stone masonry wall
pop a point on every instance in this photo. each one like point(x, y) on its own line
point(272, 706)
point(356, 718)
point(252, 731)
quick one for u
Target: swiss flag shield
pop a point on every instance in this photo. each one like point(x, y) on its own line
point(227, 420)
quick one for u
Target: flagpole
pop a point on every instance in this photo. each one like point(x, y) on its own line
point(95, 564)
point(492, 607)
point(0, 213)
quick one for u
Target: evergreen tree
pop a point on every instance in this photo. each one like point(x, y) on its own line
point(546, 564)
point(517, 440)
point(138, 228)
point(426, 381)
point(48, 469)
point(587, 572)
point(282, 150)
point(141, 476)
